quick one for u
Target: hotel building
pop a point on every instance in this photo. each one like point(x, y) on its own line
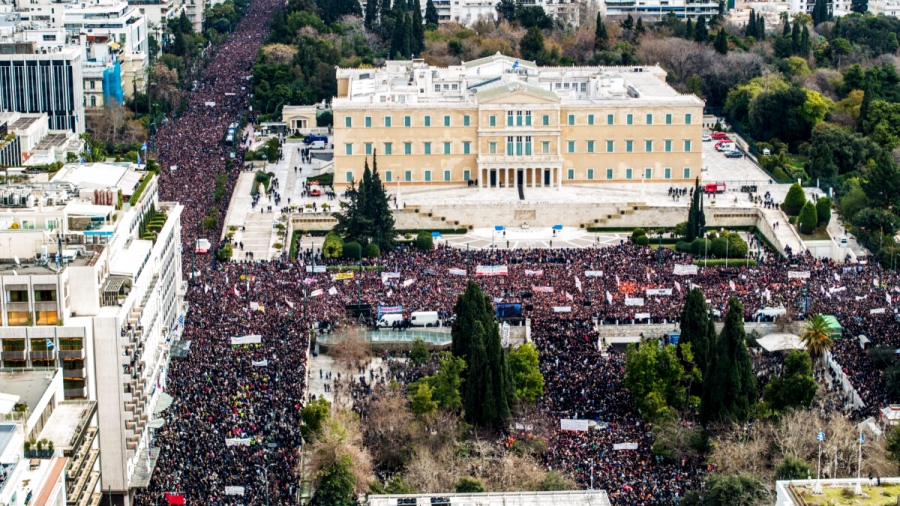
point(508, 123)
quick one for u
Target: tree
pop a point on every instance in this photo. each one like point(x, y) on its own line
point(654, 376)
point(601, 37)
point(882, 185)
point(422, 401)
point(417, 29)
point(419, 353)
point(480, 405)
point(721, 42)
point(694, 320)
point(371, 16)
point(431, 13)
point(778, 114)
point(805, 43)
point(469, 485)
point(531, 46)
point(816, 337)
point(795, 38)
point(860, 6)
point(696, 218)
point(340, 464)
point(448, 381)
point(729, 390)
point(795, 387)
point(526, 372)
point(424, 241)
point(808, 218)
point(367, 216)
point(892, 382)
point(792, 468)
point(794, 200)
point(312, 415)
point(750, 28)
point(639, 26)
point(628, 23)
point(333, 246)
point(336, 484)
point(823, 211)
point(893, 442)
point(730, 490)
point(701, 33)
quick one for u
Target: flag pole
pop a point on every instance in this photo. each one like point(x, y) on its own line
point(858, 490)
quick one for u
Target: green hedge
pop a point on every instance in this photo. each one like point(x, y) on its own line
point(719, 262)
point(137, 194)
point(448, 231)
point(323, 179)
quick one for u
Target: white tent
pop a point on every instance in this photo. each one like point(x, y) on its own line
point(780, 342)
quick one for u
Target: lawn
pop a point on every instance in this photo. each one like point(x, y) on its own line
point(818, 235)
point(877, 496)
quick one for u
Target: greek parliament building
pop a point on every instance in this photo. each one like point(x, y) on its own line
point(506, 122)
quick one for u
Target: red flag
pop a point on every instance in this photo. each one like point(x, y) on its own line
point(175, 498)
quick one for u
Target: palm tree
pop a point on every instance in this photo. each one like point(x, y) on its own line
point(817, 338)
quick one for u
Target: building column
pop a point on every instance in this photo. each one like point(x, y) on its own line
point(559, 181)
point(540, 173)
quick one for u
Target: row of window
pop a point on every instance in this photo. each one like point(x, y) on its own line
point(516, 146)
point(570, 175)
point(521, 118)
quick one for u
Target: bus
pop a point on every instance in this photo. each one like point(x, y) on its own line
point(232, 131)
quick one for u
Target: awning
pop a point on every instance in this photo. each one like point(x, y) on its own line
point(114, 45)
point(163, 402)
point(780, 342)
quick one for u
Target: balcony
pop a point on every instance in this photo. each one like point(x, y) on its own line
point(74, 373)
point(12, 355)
point(72, 354)
point(43, 355)
point(75, 393)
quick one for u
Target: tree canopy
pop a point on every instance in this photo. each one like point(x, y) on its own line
point(367, 217)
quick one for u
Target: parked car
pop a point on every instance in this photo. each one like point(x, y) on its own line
point(707, 138)
point(734, 154)
point(719, 135)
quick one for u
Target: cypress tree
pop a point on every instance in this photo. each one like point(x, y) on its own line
point(385, 12)
point(397, 41)
point(407, 36)
point(501, 377)
point(721, 42)
point(371, 14)
point(730, 392)
point(639, 26)
point(838, 29)
point(479, 402)
point(689, 29)
point(468, 310)
point(868, 96)
point(760, 28)
point(418, 29)
point(786, 29)
point(601, 37)
point(694, 322)
point(750, 29)
point(795, 38)
point(701, 34)
point(805, 44)
point(431, 13)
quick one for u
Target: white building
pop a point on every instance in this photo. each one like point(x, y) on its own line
point(158, 13)
point(48, 447)
point(107, 303)
point(658, 9)
point(39, 144)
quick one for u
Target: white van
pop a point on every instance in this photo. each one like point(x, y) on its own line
point(424, 319)
point(317, 145)
point(726, 147)
point(769, 312)
point(388, 320)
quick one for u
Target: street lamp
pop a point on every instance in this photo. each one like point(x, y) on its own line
point(266, 471)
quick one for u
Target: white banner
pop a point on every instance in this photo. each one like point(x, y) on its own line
point(634, 301)
point(315, 268)
point(798, 274)
point(539, 272)
point(877, 311)
point(685, 270)
point(625, 446)
point(408, 282)
point(659, 291)
point(491, 270)
point(593, 274)
point(332, 291)
point(234, 490)
point(641, 316)
point(571, 424)
point(562, 309)
point(389, 275)
point(608, 297)
point(457, 272)
point(839, 289)
point(316, 293)
point(244, 441)
point(252, 339)
point(260, 363)
point(578, 284)
point(542, 289)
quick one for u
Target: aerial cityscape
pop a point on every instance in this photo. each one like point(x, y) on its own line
point(479, 252)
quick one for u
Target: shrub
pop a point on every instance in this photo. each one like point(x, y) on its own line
point(794, 201)
point(641, 240)
point(278, 245)
point(683, 246)
point(720, 262)
point(638, 232)
point(808, 219)
point(823, 211)
point(681, 229)
point(372, 251)
point(224, 253)
point(333, 246)
point(697, 246)
point(424, 241)
point(248, 156)
point(352, 250)
point(468, 485)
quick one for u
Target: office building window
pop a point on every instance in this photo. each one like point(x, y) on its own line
point(668, 119)
point(648, 173)
point(590, 174)
point(629, 119)
point(368, 122)
point(610, 145)
point(428, 121)
point(446, 121)
point(648, 146)
point(348, 121)
point(687, 173)
point(466, 120)
point(349, 176)
point(687, 119)
point(546, 120)
point(446, 175)
point(427, 148)
point(407, 121)
point(387, 121)
point(545, 147)
point(609, 173)
point(387, 148)
point(427, 176)
point(387, 176)
point(368, 148)
point(466, 175)
point(446, 148)
point(668, 145)
point(629, 146)
point(590, 146)
point(492, 148)
point(667, 172)
point(407, 148)
point(348, 149)
point(628, 173)
point(609, 119)
point(571, 119)
point(590, 119)
point(493, 120)
point(649, 119)
point(571, 146)
point(467, 147)
point(687, 146)
point(571, 174)
point(407, 175)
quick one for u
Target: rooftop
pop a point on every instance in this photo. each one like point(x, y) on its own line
point(28, 385)
point(91, 176)
point(67, 423)
point(567, 498)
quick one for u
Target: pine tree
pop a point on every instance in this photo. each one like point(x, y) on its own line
point(601, 37)
point(431, 13)
point(721, 42)
point(639, 26)
point(701, 34)
point(729, 392)
point(371, 14)
point(795, 38)
point(628, 24)
point(694, 320)
point(367, 216)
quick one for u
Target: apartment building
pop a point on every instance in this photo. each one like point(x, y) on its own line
point(506, 123)
point(658, 9)
point(90, 277)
